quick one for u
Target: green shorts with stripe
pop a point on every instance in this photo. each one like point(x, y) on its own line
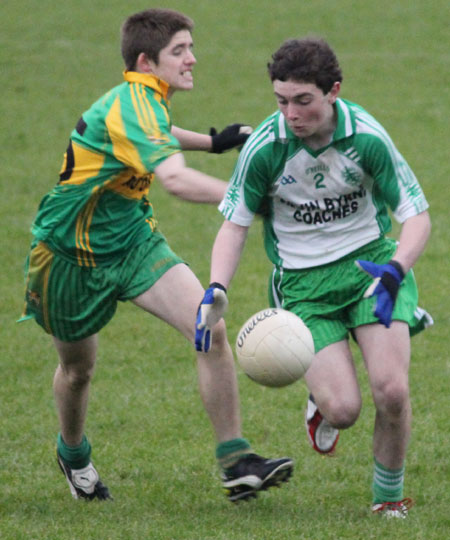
point(73, 302)
point(330, 298)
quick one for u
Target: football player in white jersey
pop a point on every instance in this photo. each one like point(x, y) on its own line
point(325, 176)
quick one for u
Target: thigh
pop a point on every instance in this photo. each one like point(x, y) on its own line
point(311, 294)
point(386, 353)
point(174, 298)
point(145, 265)
point(332, 377)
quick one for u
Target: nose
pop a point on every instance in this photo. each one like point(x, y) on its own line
point(190, 59)
point(291, 111)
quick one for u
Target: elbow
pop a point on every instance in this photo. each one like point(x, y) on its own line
point(426, 223)
point(173, 185)
point(421, 224)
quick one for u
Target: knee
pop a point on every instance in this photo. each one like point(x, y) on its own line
point(219, 339)
point(76, 361)
point(341, 413)
point(77, 377)
point(344, 417)
point(392, 397)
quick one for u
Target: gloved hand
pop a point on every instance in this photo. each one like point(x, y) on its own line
point(385, 286)
point(210, 311)
point(232, 136)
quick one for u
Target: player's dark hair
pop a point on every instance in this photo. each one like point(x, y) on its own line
point(309, 60)
point(149, 31)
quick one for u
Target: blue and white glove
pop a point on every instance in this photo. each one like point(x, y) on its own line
point(385, 286)
point(210, 311)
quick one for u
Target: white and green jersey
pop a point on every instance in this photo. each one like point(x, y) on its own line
point(321, 205)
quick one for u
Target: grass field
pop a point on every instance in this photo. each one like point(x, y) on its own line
point(151, 440)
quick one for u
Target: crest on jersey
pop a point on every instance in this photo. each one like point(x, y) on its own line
point(351, 176)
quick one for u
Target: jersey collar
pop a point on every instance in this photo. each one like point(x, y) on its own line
point(149, 80)
point(344, 128)
point(345, 121)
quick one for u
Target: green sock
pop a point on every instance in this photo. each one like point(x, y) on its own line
point(77, 457)
point(387, 484)
point(227, 453)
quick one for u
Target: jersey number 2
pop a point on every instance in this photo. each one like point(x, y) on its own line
point(319, 178)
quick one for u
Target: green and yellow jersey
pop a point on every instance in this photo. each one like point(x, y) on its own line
point(100, 208)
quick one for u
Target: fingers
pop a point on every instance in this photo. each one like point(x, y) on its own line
point(372, 288)
point(373, 269)
point(245, 130)
point(203, 339)
point(217, 308)
point(210, 311)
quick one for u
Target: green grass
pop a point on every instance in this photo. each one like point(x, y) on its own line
point(151, 439)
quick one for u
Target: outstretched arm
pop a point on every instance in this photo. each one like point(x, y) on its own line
point(226, 254)
point(189, 184)
point(233, 136)
point(191, 140)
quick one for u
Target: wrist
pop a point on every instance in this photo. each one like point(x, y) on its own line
point(216, 285)
point(212, 137)
point(395, 264)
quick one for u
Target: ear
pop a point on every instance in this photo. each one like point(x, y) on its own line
point(333, 93)
point(144, 64)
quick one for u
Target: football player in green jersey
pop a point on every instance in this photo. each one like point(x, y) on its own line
point(96, 241)
point(324, 173)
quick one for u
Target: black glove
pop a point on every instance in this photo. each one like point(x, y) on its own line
point(232, 136)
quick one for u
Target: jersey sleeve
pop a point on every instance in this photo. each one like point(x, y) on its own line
point(248, 187)
point(394, 181)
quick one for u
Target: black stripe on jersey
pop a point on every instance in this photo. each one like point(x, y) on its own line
point(70, 162)
point(81, 126)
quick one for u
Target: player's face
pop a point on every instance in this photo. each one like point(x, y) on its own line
point(176, 61)
point(308, 111)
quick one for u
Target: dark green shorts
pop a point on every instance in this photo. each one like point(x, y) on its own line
point(329, 298)
point(73, 302)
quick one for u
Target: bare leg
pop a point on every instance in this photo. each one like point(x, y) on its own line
point(71, 385)
point(332, 380)
point(174, 298)
point(386, 353)
point(218, 387)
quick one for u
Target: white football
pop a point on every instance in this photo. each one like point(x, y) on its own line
point(274, 347)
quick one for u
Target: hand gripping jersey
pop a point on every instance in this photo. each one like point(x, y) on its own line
point(99, 209)
point(319, 205)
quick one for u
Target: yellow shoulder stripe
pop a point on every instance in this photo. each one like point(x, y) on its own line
point(123, 149)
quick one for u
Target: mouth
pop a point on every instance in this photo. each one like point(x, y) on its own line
point(298, 129)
